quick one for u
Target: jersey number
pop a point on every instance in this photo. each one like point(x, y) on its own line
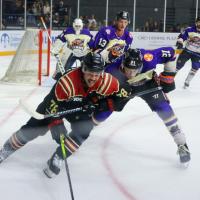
point(102, 42)
point(53, 107)
point(166, 54)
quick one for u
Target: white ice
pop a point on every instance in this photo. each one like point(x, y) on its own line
point(131, 156)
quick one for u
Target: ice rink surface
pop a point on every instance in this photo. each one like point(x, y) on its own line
point(131, 156)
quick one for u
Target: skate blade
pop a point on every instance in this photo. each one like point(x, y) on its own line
point(47, 173)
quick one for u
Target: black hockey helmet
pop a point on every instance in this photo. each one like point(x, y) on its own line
point(123, 15)
point(93, 62)
point(133, 59)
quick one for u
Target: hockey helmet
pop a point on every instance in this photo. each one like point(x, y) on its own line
point(123, 15)
point(133, 59)
point(78, 24)
point(93, 62)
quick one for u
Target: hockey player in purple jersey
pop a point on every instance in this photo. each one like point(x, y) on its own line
point(114, 41)
point(74, 42)
point(191, 38)
point(138, 69)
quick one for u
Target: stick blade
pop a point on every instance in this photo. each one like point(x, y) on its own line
point(28, 109)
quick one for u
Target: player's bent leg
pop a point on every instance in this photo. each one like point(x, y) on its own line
point(15, 142)
point(166, 113)
point(10, 146)
point(193, 71)
point(26, 133)
point(189, 77)
point(80, 132)
point(182, 59)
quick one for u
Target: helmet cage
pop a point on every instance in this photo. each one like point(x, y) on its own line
point(78, 25)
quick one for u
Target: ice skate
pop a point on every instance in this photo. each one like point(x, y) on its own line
point(184, 154)
point(5, 152)
point(186, 85)
point(53, 166)
point(2, 155)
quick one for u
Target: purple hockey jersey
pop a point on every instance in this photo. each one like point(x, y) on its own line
point(151, 58)
point(157, 56)
point(112, 46)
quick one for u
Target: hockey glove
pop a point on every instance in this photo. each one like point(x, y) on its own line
point(179, 45)
point(56, 47)
point(167, 81)
point(105, 105)
point(88, 108)
point(111, 104)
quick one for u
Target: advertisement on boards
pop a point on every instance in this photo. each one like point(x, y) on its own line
point(9, 40)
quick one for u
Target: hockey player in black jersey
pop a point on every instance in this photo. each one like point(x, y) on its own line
point(87, 87)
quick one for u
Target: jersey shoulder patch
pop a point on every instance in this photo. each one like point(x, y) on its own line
point(148, 57)
point(108, 31)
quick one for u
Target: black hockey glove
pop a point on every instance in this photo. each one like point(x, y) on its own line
point(88, 108)
point(179, 45)
point(106, 104)
point(57, 128)
point(111, 104)
point(167, 81)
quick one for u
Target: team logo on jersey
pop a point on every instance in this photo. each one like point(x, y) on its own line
point(108, 31)
point(77, 99)
point(148, 57)
point(78, 44)
point(117, 50)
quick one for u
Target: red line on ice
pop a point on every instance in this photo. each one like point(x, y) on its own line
point(14, 110)
point(107, 165)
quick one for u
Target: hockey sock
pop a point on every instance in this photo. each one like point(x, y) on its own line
point(177, 134)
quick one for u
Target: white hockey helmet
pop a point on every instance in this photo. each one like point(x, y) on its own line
point(78, 24)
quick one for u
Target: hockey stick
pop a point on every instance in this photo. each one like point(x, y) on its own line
point(59, 63)
point(144, 92)
point(179, 51)
point(62, 138)
point(40, 116)
point(193, 53)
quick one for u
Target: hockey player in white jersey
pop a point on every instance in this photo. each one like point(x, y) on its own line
point(191, 38)
point(72, 44)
